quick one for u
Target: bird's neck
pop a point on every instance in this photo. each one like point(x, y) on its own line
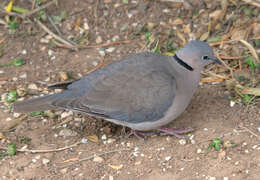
point(182, 63)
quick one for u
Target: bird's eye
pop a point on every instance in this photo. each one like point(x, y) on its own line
point(205, 57)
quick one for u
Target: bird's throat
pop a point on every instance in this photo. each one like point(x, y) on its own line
point(182, 63)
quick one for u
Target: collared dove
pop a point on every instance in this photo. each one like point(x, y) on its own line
point(144, 91)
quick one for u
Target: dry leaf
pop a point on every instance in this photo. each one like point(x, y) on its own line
point(177, 21)
point(251, 91)
point(78, 23)
point(215, 15)
point(71, 160)
point(181, 36)
point(93, 138)
point(251, 49)
point(204, 36)
point(116, 167)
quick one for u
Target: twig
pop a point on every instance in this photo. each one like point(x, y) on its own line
point(26, 15)
point(232, 57)
point(252, 2)
point(45, 151)
point(52, 34)
point(93, 46)
point(229, 68)
point(251, 132)
point(33, 4)
point(39, 9)
point(58, 31)
point(92, 157)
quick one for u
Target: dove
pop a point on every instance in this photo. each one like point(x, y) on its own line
point(145, 91)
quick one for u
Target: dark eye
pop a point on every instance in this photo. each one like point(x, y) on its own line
point(205, 57)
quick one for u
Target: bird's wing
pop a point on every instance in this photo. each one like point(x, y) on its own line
point(141, 89)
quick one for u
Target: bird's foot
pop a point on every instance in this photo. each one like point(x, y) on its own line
point(177, 132)
point(139, 134)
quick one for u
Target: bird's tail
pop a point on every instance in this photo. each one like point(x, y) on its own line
point(35, 104)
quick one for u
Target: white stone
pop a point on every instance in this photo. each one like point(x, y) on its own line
point(199, 151)
point(182, 141)
point(110, 49)
point(167, 158)
point(23, 76)
point(110, 140)
point(94, 63)
point(98, 159)
point(225, 178)
point(16, 115)
point(8, 119)
point(232, 103)
point(66, 114)
point(99, 40)
point(2, 72)
point(32, 86)
point(45, 161)
point(104, 137)
point(24, 52)
point(50, 52)
point(212, 178)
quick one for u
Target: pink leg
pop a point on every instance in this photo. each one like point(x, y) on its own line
point(176, 132)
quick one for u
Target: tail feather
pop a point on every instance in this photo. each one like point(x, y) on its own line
point(35, 104)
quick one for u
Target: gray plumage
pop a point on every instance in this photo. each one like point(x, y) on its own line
point(144, 91)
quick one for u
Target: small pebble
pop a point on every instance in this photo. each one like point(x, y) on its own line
point(67, 132)
point(104, 137)
point(258, 129)
point(182, 141)
point(110, 49)
point(212, 178)
point(181, 169)
point(1, 72)
point(98, 159)
point(110, 140)
point(34, 160)
point(50, 52)
point(8, 119)
point(24, 52)
point(199, 151)
point(32, 86)
point(94, 63)
point(99, 40)
point(84, 140)
point(167, 158)
point(205, 129)
point(246, 151)
point(16, 115)
point(110, 178)
point(237, 163)
point(23, 76)
point(66, 114)
point(45, 161)
point(232, 103)
point(102, 53)
point(225, 178)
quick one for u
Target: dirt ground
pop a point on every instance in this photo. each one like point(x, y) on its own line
point(158, 157)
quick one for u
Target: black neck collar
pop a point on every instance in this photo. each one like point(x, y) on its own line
point(182, 63)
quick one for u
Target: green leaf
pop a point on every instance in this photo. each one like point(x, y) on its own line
point(56, 18)
point(147, 37)
point(11, 150)
point(37, 113)
point(214, 39)
point(11, 96)
point(13, 25)
point(20, 10)
point(63, 14)
point(18, 62)
point(125, 1)
point(251, 63)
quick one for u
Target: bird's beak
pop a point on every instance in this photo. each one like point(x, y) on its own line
point(214, 59)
